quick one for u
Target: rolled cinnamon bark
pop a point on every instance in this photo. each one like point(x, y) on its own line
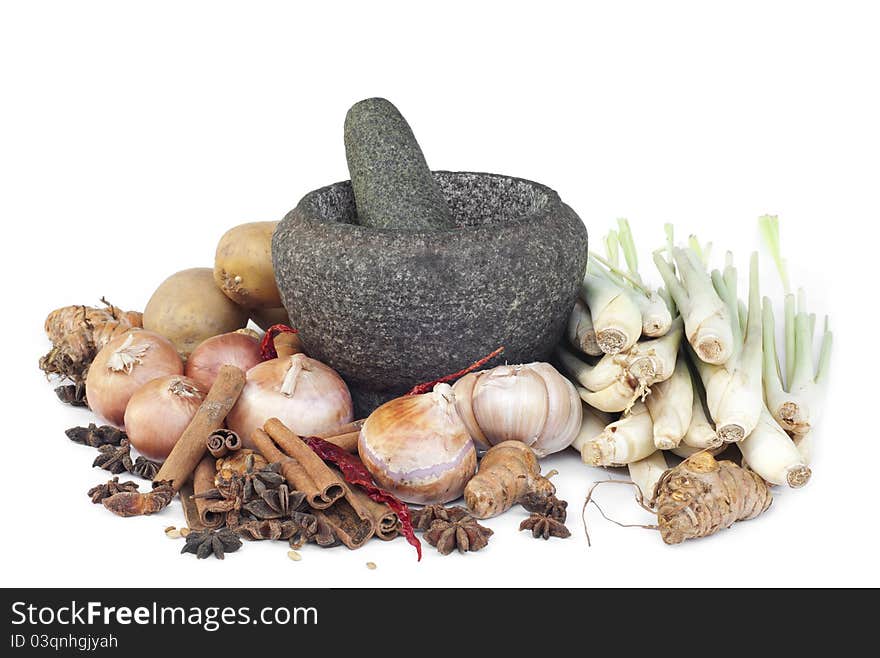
point(297, 475)
point(223, 441)
point(190, 512)
point(385, 522)
point(190, 448)
point(216, 445)
point(203, 480)
point(348, 441)
point(325, 483)
point(351, 521)
point(353, 426)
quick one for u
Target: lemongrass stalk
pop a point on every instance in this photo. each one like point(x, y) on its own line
point(701, 432)
point(667, 298)
point(593, 423)
point(671, 405)
point(734, 393)
point(653, 361)
point(656, 315)
point(684, 451)
point(701, 251)
point(770, 452)
point(795, 406)
point(624, 441)
point(616, 317)
point(604, 373)
point(620, 396)
point(706, 316)
point(769, 227)
point(628, 246)
point(580, 332)
point(804, 444)
point(789, 333)
point(646, 473)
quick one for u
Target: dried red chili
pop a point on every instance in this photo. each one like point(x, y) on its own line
point(267, 345)
point(429, 386)
point(354, 472)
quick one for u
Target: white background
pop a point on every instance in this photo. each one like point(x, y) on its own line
point(135, 134)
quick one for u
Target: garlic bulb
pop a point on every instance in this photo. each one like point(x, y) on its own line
point(531, 403)
point(417, 447)
point(306, 395)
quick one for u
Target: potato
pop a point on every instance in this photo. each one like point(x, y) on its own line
point(188, 308)
point(243, 265)
point(266, 317)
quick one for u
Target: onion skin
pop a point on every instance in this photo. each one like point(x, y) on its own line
point(237, 349)
point(417, 448)
point(108, 390)
point(320, 401)
point(159, 412)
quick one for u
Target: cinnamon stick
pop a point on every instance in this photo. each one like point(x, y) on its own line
point(203, 480)
point(190, 512)
point(385, 522)
point(190, 448)
point(351, 527)
point(222, 441)
point(348, 441)
point(296, 475)
point(353, 426)
point(325, 486)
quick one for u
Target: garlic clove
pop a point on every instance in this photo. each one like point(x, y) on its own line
point(510, 403)
point(464, 394)
point(564, 411)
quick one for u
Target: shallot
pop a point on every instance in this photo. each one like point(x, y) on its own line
point(306, 395)
point(417, 447)
point(159, 412)
point(235, 348)
point(124, 365)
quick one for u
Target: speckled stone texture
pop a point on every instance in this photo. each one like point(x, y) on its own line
point(389, 309)
point(393, 187)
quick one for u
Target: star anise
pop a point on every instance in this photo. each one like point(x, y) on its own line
point(135, 503)
point(145, 468)
point(277, 503)
point(206, 542)
point(72, 394)
point(116, 459)
point(267, 529)
point(547, 505)
point(95, 436)
point(423, 518)
point(114, 486)
point(465, 534)
point(544, 526)
point(311, 528)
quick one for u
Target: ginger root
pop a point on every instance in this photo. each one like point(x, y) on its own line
point(508, 473)
point(78, 333)
point(701, 496)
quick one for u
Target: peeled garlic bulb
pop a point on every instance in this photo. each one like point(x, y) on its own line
point(531, 403)
point(417, 447)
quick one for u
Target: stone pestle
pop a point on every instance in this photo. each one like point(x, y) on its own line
point(393, 186)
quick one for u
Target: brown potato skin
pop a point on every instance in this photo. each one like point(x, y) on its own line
point(188, 308)
point(266, 317)
point(243, 265)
